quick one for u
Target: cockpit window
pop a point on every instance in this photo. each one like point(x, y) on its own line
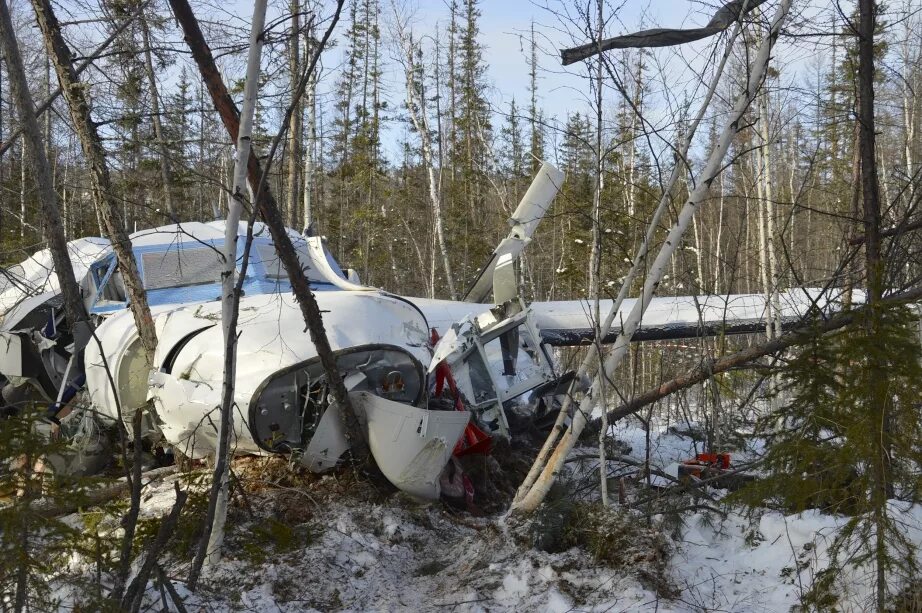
point(108, 282)
point(270, 261)
point(273, 264)
point(181, 267)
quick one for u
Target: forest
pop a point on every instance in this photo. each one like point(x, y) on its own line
point(700, 379)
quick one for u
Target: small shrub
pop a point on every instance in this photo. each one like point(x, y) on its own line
point(620, 541)
point(271, 536)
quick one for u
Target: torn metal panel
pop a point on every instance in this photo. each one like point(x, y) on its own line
point(411, 445)
point(36, 274)
point(494, 358)
point(11, 358)
point(329, 441)
point(380, 344)
point(286, 408)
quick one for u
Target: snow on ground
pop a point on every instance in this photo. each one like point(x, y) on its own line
point(399, 556)
point(766, 565)
point(388, 553)
point(402, 556)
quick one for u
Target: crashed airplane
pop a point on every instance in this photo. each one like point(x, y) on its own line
point(493, 348)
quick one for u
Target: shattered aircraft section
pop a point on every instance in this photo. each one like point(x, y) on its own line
point(493, 352)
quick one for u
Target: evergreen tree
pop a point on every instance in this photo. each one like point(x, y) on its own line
point(35, 546)
point(359, 222)
point(475, 224)
point(825, 448)
point(513, 154)
point(535, 113)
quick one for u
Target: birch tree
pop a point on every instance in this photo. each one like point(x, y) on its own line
point(536, 493)
point(270, 212)
point(210, 543)
point(414, 76)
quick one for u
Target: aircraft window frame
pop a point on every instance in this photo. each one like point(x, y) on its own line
point(104, 271)
point(108, 264)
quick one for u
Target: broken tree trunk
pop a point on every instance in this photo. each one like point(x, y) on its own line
point(664, 37)
point(740, 359)
point(106, 202)
point(639, 263)
point(535, 495)
point(272, 216)
point(41, 169)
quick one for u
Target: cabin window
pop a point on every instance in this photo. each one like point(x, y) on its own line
point(273, 264)
point(270, 261)
point(108, 282)
point(181, 267)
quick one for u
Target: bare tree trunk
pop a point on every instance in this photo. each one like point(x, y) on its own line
point(95, 155)
point(210, 543)
point(416, 106)
point(135, 593)
point(911, 58)
point(272, 217)
point(66, 194)
point(41, 170)
point(766, 176)
point(2, 199)
point(595, 256)
point(699, 258)
point(874, 264)
point(22, 189)
point(761, 185)
point(165, 173)
point(530, 501)
point(294, 132)
point(718, 263)
point(311, 149)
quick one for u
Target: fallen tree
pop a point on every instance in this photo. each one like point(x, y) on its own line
point(725, 16)
point(547, 468)
point(714, 366)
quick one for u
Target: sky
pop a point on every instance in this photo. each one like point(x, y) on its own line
point(505, 29)
point(504, 26)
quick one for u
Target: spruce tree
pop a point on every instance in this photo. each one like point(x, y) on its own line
point(35, 546)
point(826, 448)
